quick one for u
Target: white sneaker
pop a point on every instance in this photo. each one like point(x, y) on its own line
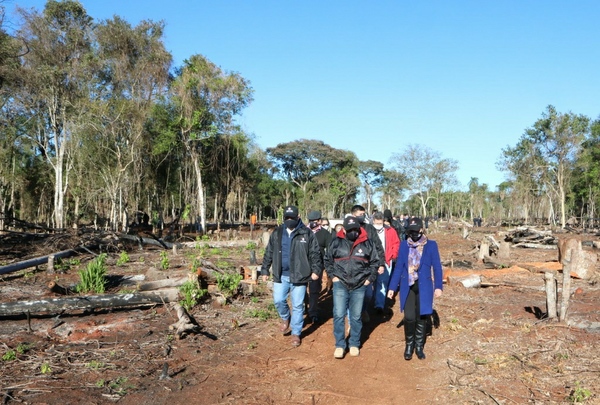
point(354, 351)
point(338, 353)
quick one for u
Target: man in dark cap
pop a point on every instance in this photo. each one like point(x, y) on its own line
point(352, 262)
point(294, 256)
point(314, 286)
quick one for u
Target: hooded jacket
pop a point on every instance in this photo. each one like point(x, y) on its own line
point(352, 262)
point(305, 255)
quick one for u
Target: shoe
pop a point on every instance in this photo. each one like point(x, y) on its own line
point(295, 340)
point(285, 324)
point(365, 317)
point(338, 353)
point(354, 351)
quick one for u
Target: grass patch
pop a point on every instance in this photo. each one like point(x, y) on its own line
point(93, 278)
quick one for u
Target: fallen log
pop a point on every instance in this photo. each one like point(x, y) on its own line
point(158, 284)
point(149, 241)
point(220, 244)
point(56, 288)
point(535, 246)
point(88, 302)
point(9, 268)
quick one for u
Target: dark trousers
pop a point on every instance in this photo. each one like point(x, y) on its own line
point(412, 307)
point(314, 290)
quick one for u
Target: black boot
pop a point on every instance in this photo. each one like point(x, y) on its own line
point(409, 337)
point(420, 337)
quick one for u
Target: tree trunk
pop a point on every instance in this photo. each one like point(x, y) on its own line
point(550, 294)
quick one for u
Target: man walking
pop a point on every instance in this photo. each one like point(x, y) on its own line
point(294, 256)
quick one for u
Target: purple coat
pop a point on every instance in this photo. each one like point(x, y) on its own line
point(428, 280)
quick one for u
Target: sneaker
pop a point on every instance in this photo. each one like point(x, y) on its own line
point(285, 324)
point(295, 340)
point(338, 353)
point(354, 351)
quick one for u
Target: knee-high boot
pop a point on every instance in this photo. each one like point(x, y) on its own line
point(409, 337)
point(420, 337)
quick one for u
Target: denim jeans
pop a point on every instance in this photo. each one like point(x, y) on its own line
point(344, 301)
point(296, 293)
point(381, 287)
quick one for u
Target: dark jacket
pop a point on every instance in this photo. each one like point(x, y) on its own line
point(353, 263)
point(305, 255)
point(324, 239)
point(429, 271)
point(374, 237)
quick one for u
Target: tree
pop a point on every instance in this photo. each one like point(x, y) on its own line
point(426, 172)
point(55, 71)
point(207, 100)
point(392, 185)
point(370, 174)
point(586, 178)
point(303, 160)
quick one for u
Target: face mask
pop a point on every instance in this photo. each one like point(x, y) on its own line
point(352, 235)
point(415, 235)
point(378, 227)
point(313, 224)
point(291, 223)
point(360, 219)
point(326, 227)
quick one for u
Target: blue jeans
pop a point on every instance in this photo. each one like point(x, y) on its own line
point(381, 287)
point(344, 301)
point(296, 292)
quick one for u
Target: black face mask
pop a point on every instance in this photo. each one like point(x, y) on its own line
point(360, 219)
point(291, 223)
point(414, 235)
point(352, 235)
point(313, 224)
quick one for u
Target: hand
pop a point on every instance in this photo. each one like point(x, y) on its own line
point(314, 276)
point(380, 270)
point(390, 294)
point(265, 278)
point(437, 293)
point(367, 282)
point(335, 280)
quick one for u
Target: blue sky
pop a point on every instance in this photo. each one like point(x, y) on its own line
point(464, 78)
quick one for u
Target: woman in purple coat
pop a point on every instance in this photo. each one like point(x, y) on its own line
point(418, 273)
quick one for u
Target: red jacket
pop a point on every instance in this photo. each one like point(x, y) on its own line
point(392, 244)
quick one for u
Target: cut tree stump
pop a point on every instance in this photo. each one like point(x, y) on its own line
point(185, 325)
point(550, 281)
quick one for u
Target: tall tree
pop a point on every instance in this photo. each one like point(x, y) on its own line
point(370, 174)
point(207, 100)
point(427, 173)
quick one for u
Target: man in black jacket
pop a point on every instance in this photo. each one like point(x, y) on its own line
point(294, 256)
point(314, 286)
point(351, 261)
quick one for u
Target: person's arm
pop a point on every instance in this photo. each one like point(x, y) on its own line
point(314, 252)
point(395, 279)
point(268, 257)
point(438, 273)
point(374, 262)
point(329, 261)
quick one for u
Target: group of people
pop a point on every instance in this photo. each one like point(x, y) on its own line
point(365, 262)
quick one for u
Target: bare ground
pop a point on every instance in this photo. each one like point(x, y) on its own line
point(492, 346)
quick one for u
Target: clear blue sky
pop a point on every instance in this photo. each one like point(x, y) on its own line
point(465, 78)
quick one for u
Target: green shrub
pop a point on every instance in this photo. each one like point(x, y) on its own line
point(579, 394)
point(228, 283)
point(9, 356)
point(93, 278)
point(192, 294)
point(123, 258)
point(164, 260)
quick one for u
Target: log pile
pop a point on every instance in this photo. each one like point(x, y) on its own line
point(529, 237)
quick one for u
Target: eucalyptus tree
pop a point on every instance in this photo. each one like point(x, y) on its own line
point(392, 185)
point(53, 91)
point(426, 172)
point(586, 177)
point(207, 100)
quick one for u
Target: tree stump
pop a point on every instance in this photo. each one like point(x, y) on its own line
point(504, 250)
point(550, 294)
point(484, 250)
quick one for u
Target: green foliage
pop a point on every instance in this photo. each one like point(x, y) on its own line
point(262, 314)
point(164, 260)
point(100, 383)
point(251, 245)
point(23, 348)
point(579, 394)
point(192, 294)
point(123, 258)
point(93, 278)
point(65, 265)
point(45, 368)
point(120, 386)
point(9, 356)
point(228, 283)
point(95, 365)
point(223, 264)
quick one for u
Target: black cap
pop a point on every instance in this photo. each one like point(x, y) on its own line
point(290, 211)
point(414, 224)
point(314, 215)
point(351, 223)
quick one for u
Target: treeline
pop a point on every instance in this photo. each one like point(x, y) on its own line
point(96, 124)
